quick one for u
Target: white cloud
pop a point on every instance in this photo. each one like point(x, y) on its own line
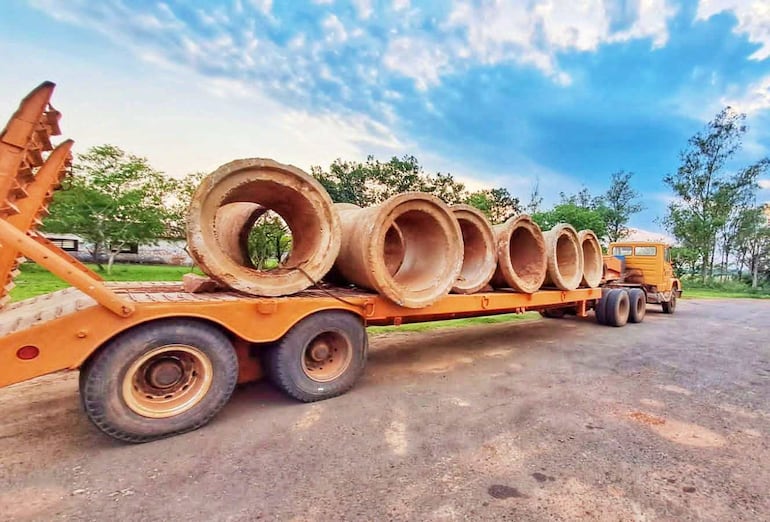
point(753, 20)
point(400, 5)
point(764, 184)
point(494, 32)
point(363, 8)
point(335, 30)
point(753, 99)
point(265, 6)
point(419, 59)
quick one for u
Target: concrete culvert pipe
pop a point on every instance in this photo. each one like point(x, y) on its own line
point(408, 248)
point(521, 257)
point(565, 257)
point(479, 252)
point(593, 262)
point(229, 202)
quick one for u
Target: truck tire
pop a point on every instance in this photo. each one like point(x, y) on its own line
point(322, 356)
point(159, 379)
point(599, 307)
point(553, 313)
point(617, 308)
point(637, 305)
point(670, 306)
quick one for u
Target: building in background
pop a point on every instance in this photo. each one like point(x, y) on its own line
point(164, 252)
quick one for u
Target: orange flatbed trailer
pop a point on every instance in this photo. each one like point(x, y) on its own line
point(156, 360)
point(67, 326)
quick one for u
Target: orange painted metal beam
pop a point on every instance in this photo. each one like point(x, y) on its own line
point(63, 268)
point(66, 342)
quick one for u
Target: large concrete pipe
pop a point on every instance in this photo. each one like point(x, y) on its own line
point(521, 256)
point(408, 248)
point(479, 252)
point(593, 263)
point(565, 257)
point(226, 206)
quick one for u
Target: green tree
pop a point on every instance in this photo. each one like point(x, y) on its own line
point(178, 203)
point(497, 204)
point(374, 181)
point(113, 199)
point(619, 203)
point(269, 241)
point(705, 192)
point(580, 217)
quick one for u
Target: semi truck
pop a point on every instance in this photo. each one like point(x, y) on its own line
point(156, 360)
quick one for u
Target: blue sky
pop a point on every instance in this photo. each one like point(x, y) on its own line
point(563, 92)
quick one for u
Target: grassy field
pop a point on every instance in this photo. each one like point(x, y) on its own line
point(35, 280)
point(720, 293)
point(454, 323)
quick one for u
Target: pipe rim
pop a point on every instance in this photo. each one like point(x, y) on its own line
point(470, 281)
point(591, 278)
point(561, 279)
point(443, 278)
point(512, 271)
point(238, 181)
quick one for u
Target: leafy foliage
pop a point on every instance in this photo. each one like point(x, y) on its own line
point(620, 202)
point(580, 217)
point(112, 200)
point(497, 204)
point(712, 204)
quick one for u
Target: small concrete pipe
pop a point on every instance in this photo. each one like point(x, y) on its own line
point(408, 248)
point(565, 257)
point(479, 252)
point(226, 206)
point(521, 257)
point(593, 262)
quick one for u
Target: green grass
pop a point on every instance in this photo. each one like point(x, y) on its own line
point(453, 323)
point(696, 289)
point(35, 280)
point(716, 293)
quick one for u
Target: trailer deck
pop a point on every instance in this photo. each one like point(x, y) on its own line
point(67, 326)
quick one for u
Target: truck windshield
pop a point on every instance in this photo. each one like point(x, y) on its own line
point(646, 251)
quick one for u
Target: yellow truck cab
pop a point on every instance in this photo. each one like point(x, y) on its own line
point(646, 265)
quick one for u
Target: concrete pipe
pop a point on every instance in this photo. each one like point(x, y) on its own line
point(521, 257)
point(479, 252)
point(408, 248)
point(230, 200)
point(565, 257)
point(593, 262)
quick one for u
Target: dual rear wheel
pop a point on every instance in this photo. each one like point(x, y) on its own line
point(173, 376)
point(619, 306)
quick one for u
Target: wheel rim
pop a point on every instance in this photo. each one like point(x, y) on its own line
point(167, 381)
point(327, 356)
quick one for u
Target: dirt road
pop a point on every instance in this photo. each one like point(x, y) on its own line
point(550, 419)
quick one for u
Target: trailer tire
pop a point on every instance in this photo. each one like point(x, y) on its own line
point(159, 379)
point(303, 364)
point(617, 308)
point(670, 306)
point(600, 306)
point(637, 305)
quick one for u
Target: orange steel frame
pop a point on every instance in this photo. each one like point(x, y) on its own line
point(66, 341)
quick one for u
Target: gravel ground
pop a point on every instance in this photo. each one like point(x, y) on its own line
point(548, 419)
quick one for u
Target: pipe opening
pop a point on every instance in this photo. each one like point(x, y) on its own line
point(474, 250)
point(252, 223)
point(289, 235)
point(425, 244)
point(393, 251)
point(593, 264)
point(527, 255)
point(567, 258)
